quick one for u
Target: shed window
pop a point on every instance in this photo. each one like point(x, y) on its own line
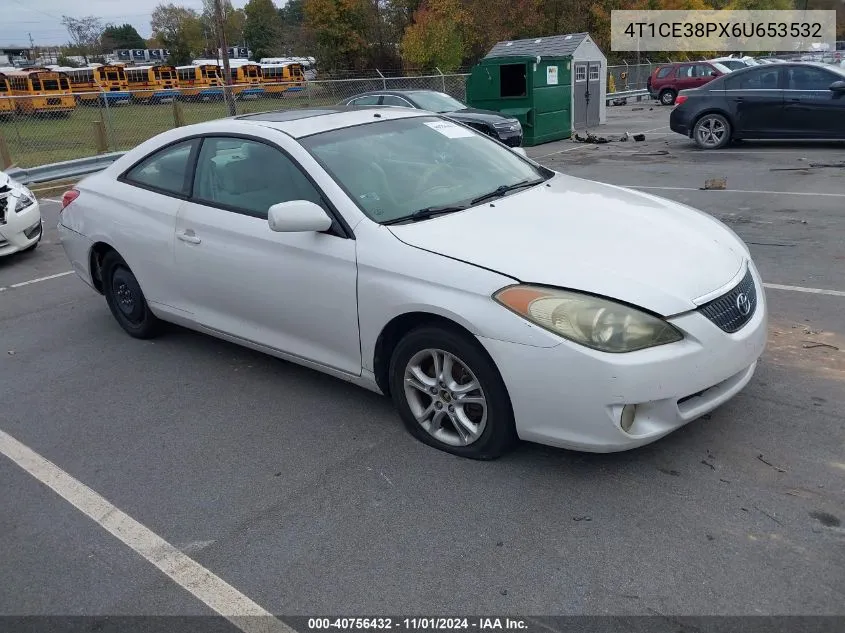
point(580, 72)
point(594, 73)
point(512, 80)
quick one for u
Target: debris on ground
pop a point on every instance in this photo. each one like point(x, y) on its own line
point(813, 344)
point(769, 464)
point(635, 109)
point(639, 137)
point(590, 138)
point(625, 137)
point(716, 183)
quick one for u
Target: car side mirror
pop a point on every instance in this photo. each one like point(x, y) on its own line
point(837, 86)
point(298, 216)
point(713, 73)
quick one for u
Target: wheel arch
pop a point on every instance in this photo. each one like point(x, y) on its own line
point(398, 327)
point(97, 254)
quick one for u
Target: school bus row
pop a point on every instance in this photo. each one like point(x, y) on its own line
point(39, 90)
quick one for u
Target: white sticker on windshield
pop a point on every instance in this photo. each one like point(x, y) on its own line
point(446, 128)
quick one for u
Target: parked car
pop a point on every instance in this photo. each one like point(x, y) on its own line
point(502, 127)
point(734, 63)
point(20, 217)
point(416, 257)
point(777, 101)
point(668, 80)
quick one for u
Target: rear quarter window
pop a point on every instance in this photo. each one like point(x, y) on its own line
point(664, 72)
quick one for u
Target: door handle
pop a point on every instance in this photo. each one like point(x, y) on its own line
point(189, 237)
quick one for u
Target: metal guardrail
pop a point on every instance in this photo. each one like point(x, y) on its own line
point(65, 170)
point(639, 95)
point(71, 169)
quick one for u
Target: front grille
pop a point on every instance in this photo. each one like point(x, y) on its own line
point(4, 204)
point(735, 308)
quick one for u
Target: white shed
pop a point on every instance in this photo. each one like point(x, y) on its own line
point(588, 73)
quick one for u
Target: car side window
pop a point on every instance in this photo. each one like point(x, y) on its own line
point(704, 70)
point(390, 100)
point(758, 79)
point(809, 79)
point(665, 72)
point(365, 101)
point(167, 170)
point(249, 177)
point(686, 71)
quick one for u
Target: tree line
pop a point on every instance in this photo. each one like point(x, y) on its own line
point(385, 34)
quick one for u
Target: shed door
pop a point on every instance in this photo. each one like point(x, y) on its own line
point(579, 95)
point(594, 88)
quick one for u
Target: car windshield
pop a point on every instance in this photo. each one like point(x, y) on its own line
point(393, 169)
point(436, 102)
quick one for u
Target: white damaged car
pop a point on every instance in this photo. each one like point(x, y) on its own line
point(490, 297)
point(20, 217)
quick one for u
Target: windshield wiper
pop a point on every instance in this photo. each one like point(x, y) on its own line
point(428, 212)
point(498, 192)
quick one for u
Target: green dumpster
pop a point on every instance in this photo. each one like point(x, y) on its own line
point(537, 90)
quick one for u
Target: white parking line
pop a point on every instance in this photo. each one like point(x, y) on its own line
point(773, 193)
point(815, 291)
point(210, 589)
point(35, 281)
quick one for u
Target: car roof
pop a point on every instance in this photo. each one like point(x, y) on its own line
point(399, 91)
point(307, 121)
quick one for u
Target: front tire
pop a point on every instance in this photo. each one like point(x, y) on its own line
point(667, 97)
point(450, 395)
point(712, 131)
point(126, 300)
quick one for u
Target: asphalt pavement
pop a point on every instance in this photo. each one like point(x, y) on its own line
point(306, 495)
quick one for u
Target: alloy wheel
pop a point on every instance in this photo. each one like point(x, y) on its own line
point(445, 397)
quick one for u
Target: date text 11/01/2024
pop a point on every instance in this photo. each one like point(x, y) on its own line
point(416, 624)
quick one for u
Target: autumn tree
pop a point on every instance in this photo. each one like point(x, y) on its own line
point(85, 34)
point(339, 28)
point(436, 38)
point(262, 28)
point(123, 36)
point(233, 25)
point(180, 30)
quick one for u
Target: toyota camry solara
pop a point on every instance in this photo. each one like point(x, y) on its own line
point(491, 298)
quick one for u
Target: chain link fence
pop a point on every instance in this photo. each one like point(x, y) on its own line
point(42, 130)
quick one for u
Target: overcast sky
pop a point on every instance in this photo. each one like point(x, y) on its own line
point(43, 18)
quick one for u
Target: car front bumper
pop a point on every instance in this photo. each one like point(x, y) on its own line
point(572, 397)
point(20, 230)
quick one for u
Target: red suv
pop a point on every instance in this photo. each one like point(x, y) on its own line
point(668, 80)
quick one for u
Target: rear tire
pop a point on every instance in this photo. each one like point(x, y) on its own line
point(469, 412)
point(712, 131)
point(667, 96)
point(126, 300)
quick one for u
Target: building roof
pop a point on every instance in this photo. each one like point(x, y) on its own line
point(551, 46)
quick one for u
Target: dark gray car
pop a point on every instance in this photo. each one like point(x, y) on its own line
point(502, 127)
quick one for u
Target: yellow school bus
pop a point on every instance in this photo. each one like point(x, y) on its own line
point(7, 104)
point(246, 79)
point(152, 84)
point(41, 92)
point(201, 82)
point(94, 83)
point(281, 78)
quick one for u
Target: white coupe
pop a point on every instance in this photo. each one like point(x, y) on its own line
point(492, 298)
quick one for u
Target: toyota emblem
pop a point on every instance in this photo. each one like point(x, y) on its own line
point(743, 304)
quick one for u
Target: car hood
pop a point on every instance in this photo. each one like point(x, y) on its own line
point(582, 235)
point(471, 114)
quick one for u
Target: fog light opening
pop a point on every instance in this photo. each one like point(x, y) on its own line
point(627, 419)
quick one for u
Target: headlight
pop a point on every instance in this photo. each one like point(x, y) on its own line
point(24, 201)
point(591, 321)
